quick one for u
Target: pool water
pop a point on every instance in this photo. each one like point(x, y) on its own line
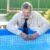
point(10, 41)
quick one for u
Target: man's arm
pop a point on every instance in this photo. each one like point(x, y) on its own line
point(44, 25)
point(11, 25)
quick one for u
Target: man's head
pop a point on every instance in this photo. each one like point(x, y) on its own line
point(26, 9)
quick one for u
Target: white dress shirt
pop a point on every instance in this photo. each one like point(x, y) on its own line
point(35, 22)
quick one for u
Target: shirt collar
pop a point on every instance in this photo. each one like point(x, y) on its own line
point(28, 17)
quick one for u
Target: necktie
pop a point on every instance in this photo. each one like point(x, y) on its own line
point(25, 27)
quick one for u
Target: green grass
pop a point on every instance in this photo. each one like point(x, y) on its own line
point(9, 16)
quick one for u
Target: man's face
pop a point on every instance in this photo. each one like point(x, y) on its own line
point(26, 12)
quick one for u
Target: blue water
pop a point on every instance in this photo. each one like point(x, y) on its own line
point(26, 47)
point(10, 41)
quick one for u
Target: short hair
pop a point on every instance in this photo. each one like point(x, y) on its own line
point(26, 5)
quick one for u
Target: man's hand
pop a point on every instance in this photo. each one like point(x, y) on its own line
point(24, 36)
point(34, 36)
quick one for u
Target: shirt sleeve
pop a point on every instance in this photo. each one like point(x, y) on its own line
point(43, 23)
point(11, 25)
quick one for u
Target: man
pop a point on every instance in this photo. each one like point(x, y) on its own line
point(28, 19)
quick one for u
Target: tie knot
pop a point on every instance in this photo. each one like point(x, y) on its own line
point(26, 19)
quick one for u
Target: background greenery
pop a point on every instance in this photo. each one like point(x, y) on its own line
point(16, 4)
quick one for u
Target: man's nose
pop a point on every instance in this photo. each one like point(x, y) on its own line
point(27, 13)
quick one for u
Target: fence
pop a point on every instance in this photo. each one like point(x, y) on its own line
point(13, 5)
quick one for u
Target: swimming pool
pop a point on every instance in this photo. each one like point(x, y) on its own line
point(10, 41)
